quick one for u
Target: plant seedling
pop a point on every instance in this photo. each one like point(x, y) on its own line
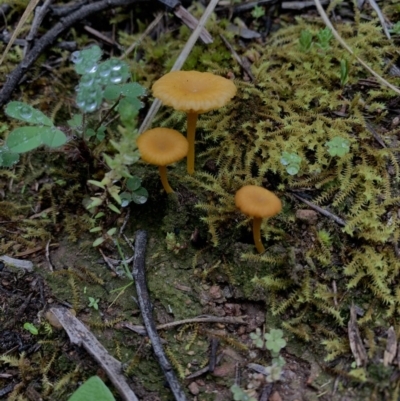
point(93, 303)
point(338, 146)
point(291, 161)
point(274, 341)
point(258, 12)
point(344, 71)
point(305, 41)
point(240, 395)
point(324, 36)
point(31, 328)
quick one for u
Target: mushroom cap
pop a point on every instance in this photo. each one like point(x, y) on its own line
point(194, 91)
point(257, 201)
point(162, 146)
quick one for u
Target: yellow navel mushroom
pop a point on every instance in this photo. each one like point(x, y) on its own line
point(194, 93)
point(259, 203)
point(162, 146)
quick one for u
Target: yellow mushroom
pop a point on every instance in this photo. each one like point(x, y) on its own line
point(259, 203)
point(194, 93)
point(162, 146)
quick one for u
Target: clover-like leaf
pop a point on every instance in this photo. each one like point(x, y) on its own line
point(274, 341)
point(257, 338)
point(338, 146)
point(24, 112)
point(86, 60)
point(133, 183)
point(24, 139)
point(52, 137)
point(291, 161)
point(140, 196)
point(7, 158)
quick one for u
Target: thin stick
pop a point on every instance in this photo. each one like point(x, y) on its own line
point(180, 61)
point(48, 255)
point(328, 23)
point(321, 210)
point(138, 273)
point(40, 13)
point(49, 37)
point(206, 319)
point(148, 30)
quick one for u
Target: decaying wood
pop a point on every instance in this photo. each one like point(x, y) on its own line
point(80, 335)
point(356, 344)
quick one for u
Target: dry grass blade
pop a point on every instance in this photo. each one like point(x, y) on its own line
point(348, 48)
point(180, 61)
point(29, 9)
point(375, 6)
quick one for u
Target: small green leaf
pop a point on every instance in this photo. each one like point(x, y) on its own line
point(112, 231)
point(98, 241)
point(140, 196)
point(53, 137)
point(112, 92)
point(90, 132)
point(114, 208)
point(98, 215)
point(305, 41)
point(76, 121)
point(24, 139)
point(7, 158)
point(24, 112)
point(126, 198)
point(344, 71)
point(133, 89)
point(291, 161)
point(92, 390)
point(86, 60)
point(31, 328)
point(95, 229)
point(338, 146)
point(133, 183)
point(94, 202)
point(96, 183)
point(114, 192)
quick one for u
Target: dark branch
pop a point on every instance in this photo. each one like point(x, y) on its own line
point(138, 273)
point(48, 39)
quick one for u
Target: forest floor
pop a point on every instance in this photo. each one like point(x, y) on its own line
point(330, 274)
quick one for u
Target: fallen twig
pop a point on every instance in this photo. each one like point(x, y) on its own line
point(80, 335)
point(236, 56)
point(179, 62)
point(138, 273)
point(201, 319)
point(147, 31)
point(321, 210)
point(328, 23)
point(47, 39)
point(18, 263)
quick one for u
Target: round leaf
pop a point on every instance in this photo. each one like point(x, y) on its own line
point(53, 137)
point(24, 139)
point(140, 196)
point(133, 183)
point(24, 112)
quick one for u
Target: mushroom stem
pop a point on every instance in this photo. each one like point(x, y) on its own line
point(191, 130)
point(257, 234)
point(164, 180)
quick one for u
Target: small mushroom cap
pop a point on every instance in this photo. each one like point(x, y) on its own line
point(256, 201)
point(162, 146)
point(194, 91)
